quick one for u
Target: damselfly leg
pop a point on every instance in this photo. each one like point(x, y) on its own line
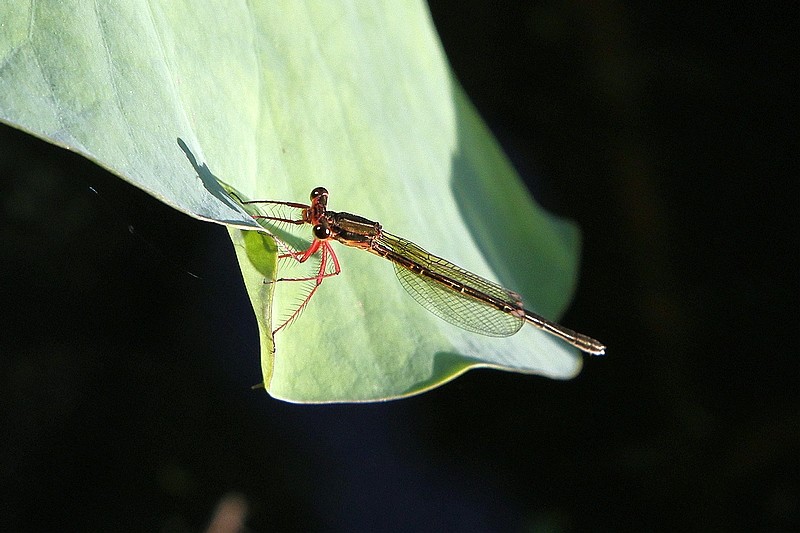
point(328, 263)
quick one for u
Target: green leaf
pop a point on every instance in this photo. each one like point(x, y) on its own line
point(276, 98)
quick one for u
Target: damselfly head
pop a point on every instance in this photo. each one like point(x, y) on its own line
point(318, 192)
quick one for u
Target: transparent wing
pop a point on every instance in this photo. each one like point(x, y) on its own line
point(451, 305)
point(282, 220)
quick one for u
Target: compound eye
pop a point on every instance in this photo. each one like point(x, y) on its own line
point(322, 231)
point(319, 191)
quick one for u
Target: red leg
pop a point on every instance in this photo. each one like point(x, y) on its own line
point(278, 202)
point(321, 246)
point(325, 249)
point(279, 219)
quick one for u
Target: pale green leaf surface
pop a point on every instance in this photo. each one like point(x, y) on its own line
point(277, 98)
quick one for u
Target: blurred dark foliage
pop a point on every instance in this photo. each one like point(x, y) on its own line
point(668, 132)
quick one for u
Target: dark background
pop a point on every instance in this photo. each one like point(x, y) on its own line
point(667, 132)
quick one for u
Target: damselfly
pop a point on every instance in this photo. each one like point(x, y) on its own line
point(448, 291)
